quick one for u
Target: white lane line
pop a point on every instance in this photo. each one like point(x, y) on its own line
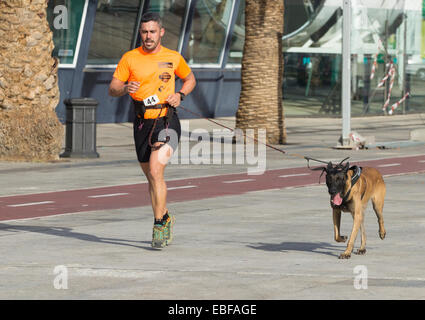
point(239, 181)
point(29, 204)
point(421, 161)
point(108, 195)
point(182, 187)
point(116, 273)
point(389, 165)
point(294, 175)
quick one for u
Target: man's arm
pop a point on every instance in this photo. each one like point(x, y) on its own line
point(118, 88)
point(189, 84)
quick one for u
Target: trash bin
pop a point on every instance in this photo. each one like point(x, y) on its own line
point(80, 130)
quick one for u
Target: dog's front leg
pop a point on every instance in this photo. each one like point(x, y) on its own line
point(358, 219)
point(337, 224)
point(362, 249)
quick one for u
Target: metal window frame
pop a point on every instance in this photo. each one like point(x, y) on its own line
point(187, 25)
point(225, 46)
point(143, 5)
point(143, 8)
point(184, 38)
point(78, 74)
point(229, 32)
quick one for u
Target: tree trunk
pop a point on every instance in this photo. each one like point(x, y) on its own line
point(260, 102)
point(29, 94)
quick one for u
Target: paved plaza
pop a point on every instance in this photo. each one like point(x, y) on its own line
point(262, 244)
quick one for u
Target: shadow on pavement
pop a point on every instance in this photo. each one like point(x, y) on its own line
point(316, 247)
point(67, 232)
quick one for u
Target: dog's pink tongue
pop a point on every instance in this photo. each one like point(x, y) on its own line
point(337, 200)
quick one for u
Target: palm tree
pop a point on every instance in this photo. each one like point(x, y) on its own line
point(29, 93)
point(260, 102)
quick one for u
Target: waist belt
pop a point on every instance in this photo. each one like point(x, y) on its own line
point(140, 107)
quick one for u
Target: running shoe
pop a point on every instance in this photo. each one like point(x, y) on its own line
point(168, 228)
point(158, 236)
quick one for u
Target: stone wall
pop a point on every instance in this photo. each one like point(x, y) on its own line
point(29, 93)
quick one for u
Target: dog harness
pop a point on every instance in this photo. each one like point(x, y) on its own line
point(357, 172)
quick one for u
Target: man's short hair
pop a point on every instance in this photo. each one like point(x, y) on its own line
point(151, 16)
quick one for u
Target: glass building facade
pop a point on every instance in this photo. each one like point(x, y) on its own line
point(387, 53)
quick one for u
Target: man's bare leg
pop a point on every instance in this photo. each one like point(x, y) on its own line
point(154, 172)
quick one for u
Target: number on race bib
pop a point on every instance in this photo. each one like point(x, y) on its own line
point(151, 101)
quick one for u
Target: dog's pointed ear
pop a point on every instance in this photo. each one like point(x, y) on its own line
point(346, 167)
point(329, 167)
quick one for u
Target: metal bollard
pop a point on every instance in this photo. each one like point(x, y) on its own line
point(80, 131)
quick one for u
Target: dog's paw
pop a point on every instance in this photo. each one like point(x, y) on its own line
point(361, 252)
point(382, 235)
point(345, 256)
point(341, 239)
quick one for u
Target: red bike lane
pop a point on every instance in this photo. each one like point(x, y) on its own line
point(136, 195)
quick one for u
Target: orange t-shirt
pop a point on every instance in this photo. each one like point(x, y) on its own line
point(155, 72)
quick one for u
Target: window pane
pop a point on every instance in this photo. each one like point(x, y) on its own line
point(238, 37)
point(378, 38)
point(113, 30)
point(414, 67)
point(208, 33)
point(312, 58)
point(172, 14)
point(64, 19)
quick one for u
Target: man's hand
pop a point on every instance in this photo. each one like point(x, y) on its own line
point(133, 86)
point(117, 88)
point(188, 84)
point(174, 99)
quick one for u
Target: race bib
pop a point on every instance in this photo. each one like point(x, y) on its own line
point(151, 101)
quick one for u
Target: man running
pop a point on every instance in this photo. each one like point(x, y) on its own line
point(147, 74)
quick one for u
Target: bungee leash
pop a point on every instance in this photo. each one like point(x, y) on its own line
point(258, 141)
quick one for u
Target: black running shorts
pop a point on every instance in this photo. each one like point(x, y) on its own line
point(142, 132)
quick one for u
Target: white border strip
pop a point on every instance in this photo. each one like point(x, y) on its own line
point(239, 181)
point(389, 165)
point(182, 187)
point(108, 195)
point(294, 175)
point(29, 204)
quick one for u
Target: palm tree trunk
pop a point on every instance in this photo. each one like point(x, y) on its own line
point(29, 94)
point(260, 102)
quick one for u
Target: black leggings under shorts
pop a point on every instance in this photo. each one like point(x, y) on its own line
point(142, 132)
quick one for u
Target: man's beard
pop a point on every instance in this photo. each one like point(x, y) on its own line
point(150, 45)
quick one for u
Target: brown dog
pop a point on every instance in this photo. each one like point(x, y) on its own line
point(351, 188)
